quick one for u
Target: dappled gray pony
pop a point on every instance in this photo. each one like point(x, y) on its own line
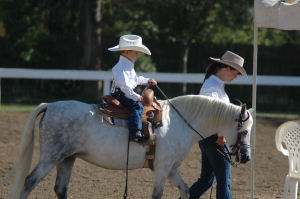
point(72, 129)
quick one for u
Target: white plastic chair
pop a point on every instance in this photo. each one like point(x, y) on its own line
point(288, 142)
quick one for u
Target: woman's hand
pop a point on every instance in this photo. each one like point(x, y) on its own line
point(221, 140)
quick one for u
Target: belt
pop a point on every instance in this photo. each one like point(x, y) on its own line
point(116, 90)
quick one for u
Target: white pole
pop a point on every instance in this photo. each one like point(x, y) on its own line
point(106, 88)
point(254, 107)
point(0, 94)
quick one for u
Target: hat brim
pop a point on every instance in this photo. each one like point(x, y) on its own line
point(233, 65)
point(141, 48)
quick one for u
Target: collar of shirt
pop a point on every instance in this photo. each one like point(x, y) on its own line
point(214, 87)
point(125, 62)
point(217, 80)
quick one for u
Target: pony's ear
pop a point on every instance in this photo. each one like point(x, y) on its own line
point(251, 111)
point(243, 109)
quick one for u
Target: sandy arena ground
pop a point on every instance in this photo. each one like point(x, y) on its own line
point(91, 182)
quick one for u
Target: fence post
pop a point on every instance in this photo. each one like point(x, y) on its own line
point(106, 88)
point(0, 93)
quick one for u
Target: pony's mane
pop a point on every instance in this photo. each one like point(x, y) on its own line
point(206, 111)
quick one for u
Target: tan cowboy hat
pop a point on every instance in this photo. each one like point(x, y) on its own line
point(131, 42)
point(231, 59)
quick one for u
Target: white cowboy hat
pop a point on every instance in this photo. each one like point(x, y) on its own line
point(131, 42)
point(231, 59)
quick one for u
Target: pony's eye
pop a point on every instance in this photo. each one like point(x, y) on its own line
point(244, 132)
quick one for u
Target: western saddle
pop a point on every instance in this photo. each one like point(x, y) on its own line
point(152, 118)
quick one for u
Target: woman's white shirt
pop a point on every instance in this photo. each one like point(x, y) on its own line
point(214, 87)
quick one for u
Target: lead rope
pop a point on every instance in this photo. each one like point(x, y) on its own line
point(125, 191)
point(221, 152)
point(212, 186)
point(228, 159)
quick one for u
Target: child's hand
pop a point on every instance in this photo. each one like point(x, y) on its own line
point(153, 82)
point(140, 99)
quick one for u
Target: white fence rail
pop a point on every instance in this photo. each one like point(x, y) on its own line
point(106, 77)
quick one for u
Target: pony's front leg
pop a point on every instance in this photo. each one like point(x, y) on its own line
point(176, 179)
point(160, 175)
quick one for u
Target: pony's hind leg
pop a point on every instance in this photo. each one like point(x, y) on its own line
point(39, 172)
point(176, 179)
point(64, 170)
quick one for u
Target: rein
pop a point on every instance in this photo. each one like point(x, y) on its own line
point(126, 183)
point(223, 153)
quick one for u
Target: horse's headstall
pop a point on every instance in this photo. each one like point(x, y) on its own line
point(245, 132)
point(235, 149)
point(241, 121)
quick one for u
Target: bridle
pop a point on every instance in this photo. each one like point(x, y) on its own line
point(235, 149)
point(240, 120)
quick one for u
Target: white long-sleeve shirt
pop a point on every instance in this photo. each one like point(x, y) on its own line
point(126, 79)
point(214, 87)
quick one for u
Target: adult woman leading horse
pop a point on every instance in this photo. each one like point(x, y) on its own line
point(71, 129)
point(214, 165)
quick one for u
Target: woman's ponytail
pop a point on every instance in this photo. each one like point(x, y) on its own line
point(213, 68)
point(210, 70)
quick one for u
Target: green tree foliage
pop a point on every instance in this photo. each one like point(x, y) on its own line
point(181, 35)
point(51, 33)
point(123, 17)
point(127, 17)
point(144, 64)
point(43, 33)
point(24, 28)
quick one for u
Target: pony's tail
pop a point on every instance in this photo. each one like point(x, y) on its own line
point(23, 163)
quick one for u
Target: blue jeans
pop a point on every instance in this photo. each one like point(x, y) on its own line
point(136, 110)
point(214, 166)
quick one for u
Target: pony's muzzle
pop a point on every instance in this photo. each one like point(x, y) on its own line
point(245, 154)
point(245, 158)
